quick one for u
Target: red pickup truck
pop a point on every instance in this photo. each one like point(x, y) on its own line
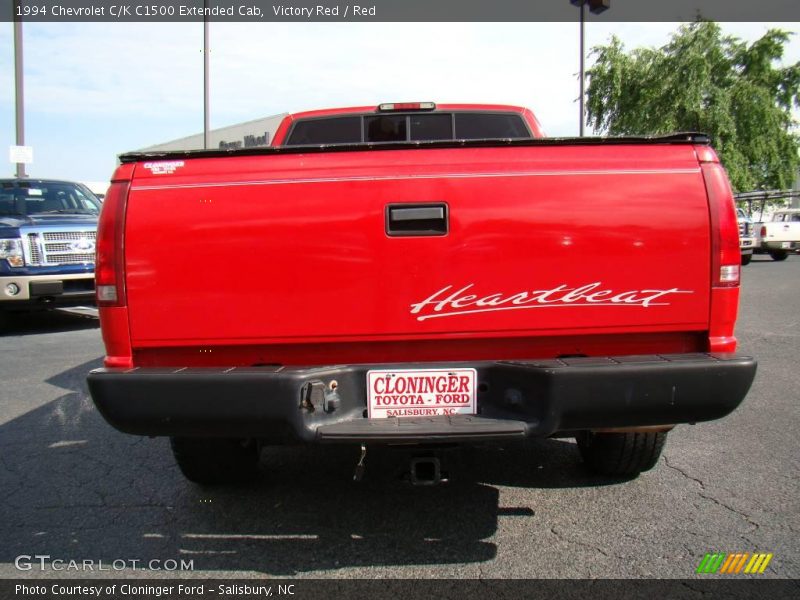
point(419, 274)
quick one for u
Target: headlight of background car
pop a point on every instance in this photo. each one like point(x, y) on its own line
point(11, 250)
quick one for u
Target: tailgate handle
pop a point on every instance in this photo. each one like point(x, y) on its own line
point(416, 219)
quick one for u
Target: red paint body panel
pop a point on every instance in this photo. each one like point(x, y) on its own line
point(285, 258)
point(441, 348)
point(116, 336)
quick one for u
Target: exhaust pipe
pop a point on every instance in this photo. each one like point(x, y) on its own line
point(426, 470)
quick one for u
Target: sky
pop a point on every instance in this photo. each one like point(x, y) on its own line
point(95, 90)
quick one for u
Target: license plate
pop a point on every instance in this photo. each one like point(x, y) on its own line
point(421, 393)
point(786, 244)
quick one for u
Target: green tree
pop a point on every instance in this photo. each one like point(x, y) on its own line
point(705, 81)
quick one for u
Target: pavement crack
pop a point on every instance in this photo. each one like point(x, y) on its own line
point(707, 496)
point(685, 474)
point(744, 515)
point(578, 543)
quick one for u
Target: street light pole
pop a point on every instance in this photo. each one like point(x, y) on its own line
point(595, 7)
point(582, 70)
point(19, 93)
point(206, 118)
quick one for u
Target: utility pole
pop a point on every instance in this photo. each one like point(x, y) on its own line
point(582, 98)
point(595, 7)
point(206, 118)
point(19, 91)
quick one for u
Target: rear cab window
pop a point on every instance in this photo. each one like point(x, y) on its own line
point(484, 126)
point(375, 128)
point(333, 130)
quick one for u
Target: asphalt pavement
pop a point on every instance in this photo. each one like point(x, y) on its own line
point(74, 489)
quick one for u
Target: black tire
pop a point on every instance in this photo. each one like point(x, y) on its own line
point(746, 258)
point(211, 461)
point(778, 254)
point(621, 454)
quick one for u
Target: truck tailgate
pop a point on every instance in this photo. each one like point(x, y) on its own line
point(782, 231)
point(541, 241)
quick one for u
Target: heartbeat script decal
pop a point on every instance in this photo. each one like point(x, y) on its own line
point(451, 302)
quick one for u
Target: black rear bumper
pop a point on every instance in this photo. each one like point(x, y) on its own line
point(516, 399)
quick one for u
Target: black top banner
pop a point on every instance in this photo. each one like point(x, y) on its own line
point(396, 10)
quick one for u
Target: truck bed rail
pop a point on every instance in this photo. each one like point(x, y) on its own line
point(689, 137)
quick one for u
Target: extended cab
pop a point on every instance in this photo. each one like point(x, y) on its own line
point(47, 244)
point(406, 274)
point(779, 236)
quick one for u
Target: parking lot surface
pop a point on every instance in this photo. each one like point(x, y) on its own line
point(73, 488)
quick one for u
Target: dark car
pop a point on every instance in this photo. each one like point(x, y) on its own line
point(47, 244)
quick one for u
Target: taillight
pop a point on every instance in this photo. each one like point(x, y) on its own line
point(726, 256)
point(763, 231)
point(729, 275)
point(110, 262)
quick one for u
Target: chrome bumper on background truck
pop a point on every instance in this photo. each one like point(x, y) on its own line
point(515, 399)
point(780, 245)
point(58, 289)
point(747, 243)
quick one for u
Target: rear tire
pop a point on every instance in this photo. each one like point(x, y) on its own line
point(778, 254)
point(746, 258)
point(621, 454)
point(212, 461)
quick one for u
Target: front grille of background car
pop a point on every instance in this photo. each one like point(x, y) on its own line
point(62, 236)
point(52, 248)
point(70, 259)
point(34, 254)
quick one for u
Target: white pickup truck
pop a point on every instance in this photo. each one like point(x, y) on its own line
point(779, 236)
point(747, 240)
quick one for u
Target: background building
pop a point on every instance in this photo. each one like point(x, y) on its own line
point(251, 134)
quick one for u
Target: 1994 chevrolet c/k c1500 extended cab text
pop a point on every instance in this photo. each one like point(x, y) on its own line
point(419, 274)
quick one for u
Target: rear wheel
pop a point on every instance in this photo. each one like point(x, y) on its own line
point(778, 254)
point(621, 454)
point(746, 258)
point(211, 461)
